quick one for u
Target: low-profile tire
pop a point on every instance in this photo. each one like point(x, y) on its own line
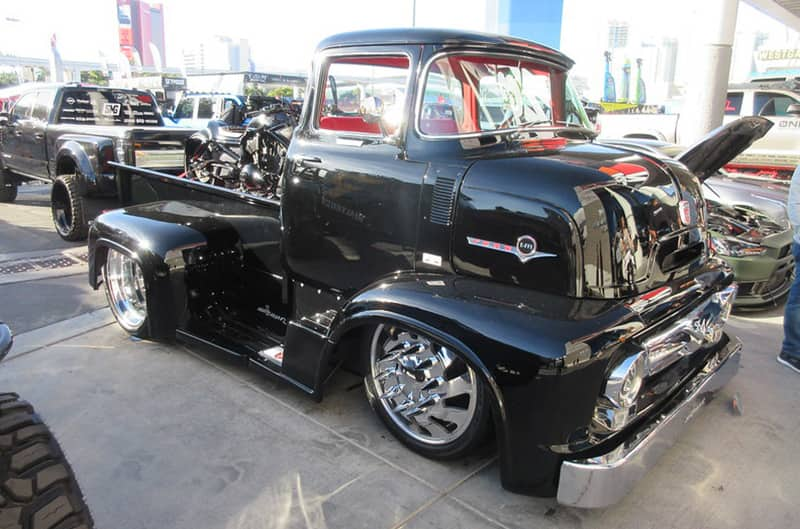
point(8, 187)
point(126, 292)
point(426, 394)
point(68, 209)
point(37, 485)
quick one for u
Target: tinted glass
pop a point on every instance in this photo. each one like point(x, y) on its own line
point(772, 104)
point(24, 106)
point(205, 108)
point(733, 103)
point(185, 109)
point(44, 103)
point(108, 107)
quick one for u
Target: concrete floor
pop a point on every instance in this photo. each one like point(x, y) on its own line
point(162, 436)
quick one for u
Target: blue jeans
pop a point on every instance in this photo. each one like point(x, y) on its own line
point(791, 316)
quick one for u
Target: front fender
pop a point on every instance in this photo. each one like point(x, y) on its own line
point(543, 356)
point(159, 248)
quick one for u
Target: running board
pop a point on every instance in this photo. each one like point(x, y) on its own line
point(263, 362)
point(272, 354)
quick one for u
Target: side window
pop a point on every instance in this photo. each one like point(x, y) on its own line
point(22, 110)
point(43, 105)
point(350, 81)
point(733, 103)
point(205, 108)
point(185, 108)
point(772, 104)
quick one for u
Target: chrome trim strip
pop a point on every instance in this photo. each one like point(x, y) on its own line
point(603, 481)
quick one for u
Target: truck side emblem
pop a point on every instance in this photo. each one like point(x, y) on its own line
point(525, 249)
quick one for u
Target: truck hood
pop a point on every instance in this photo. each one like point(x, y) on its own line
point(724, 144)
point(586, 220)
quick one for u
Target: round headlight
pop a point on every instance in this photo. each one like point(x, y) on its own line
point(625, 381)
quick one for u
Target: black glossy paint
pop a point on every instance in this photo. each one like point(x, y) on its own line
point(369, 230)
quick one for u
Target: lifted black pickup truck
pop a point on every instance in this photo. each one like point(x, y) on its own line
point(447, 225)
point(67, 134)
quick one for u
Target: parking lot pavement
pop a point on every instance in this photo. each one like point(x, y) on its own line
point(42, 277)
point(162, 436)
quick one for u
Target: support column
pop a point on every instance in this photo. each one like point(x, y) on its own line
point(714, 27)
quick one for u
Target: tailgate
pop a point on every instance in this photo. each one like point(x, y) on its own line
point(159, 148)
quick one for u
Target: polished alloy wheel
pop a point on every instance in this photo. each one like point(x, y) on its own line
point(125, 286)
point(428, 391)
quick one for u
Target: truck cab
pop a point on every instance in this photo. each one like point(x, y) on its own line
point(447, 226)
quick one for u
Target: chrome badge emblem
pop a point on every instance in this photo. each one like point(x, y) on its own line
point(685, 212)
point(525, 249)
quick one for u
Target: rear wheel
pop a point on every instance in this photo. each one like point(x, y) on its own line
point(8, 187)
point(37, 485)
point(126, 292)
point(425, 393)
point(68, 209)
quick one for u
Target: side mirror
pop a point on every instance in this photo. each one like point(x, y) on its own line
point(793, 109)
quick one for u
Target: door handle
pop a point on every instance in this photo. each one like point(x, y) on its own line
point(39, 135)
point(307, 160)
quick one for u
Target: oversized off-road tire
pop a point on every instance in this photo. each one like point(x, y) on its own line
point(68, 209)
point(38, 489)
point(126, 292)
point(426, 394)
point(8, 186)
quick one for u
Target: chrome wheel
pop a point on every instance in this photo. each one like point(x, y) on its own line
point(126, 291)
point(427, 390)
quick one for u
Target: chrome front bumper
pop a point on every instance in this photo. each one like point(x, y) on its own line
point(604, 480)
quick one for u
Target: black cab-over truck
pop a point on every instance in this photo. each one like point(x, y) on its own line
point(447, 224)
point(68, 133)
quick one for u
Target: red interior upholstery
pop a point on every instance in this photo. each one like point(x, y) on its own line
point(438, 126)
point(348, 124)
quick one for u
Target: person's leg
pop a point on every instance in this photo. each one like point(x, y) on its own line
point(790, 350)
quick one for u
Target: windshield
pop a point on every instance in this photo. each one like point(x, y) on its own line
point(108, 107)
point(469, 94)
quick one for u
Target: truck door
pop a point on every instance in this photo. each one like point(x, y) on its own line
point(15, 154)
point(351, 200)
point(34, 136)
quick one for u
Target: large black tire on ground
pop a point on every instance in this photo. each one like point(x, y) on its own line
point(38, 489)
point(68, 209)
point(8, 187)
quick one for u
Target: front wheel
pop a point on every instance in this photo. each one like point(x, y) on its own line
point(126, 292)
point(68, 209)
point(427, 394)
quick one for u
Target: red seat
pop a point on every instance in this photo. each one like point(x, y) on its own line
point(438, 126)
point(348, 124)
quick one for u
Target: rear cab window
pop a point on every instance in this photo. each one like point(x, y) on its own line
point(351, 82)
point(108, 107)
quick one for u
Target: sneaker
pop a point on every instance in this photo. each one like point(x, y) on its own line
point(792, 362)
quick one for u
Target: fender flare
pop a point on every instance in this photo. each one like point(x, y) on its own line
point(75, 152)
